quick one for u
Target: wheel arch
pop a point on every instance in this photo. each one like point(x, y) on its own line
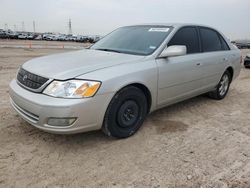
point(144, 89)
point(231, 71)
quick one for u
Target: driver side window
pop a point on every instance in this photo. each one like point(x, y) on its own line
point(187, 36)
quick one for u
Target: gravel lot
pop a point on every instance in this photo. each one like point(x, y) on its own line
point(196, 143)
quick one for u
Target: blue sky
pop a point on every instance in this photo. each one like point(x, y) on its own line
point(232, 17)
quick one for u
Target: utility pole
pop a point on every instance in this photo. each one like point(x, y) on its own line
point(70, 27)
point(6, 27)
point(23, 27)
point(14, 28)
point(34, 26)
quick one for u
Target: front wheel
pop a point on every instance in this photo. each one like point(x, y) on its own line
point(126, 113)
point(222, 88)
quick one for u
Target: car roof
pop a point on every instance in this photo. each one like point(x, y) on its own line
point(172, 25)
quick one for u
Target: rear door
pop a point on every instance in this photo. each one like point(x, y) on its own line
point(180, 77)
point(216, 56)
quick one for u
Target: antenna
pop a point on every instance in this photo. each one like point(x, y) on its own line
point(34, 26)
point(70, 27)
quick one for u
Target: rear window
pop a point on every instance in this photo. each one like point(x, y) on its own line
point(211, 40)
point(224, 45)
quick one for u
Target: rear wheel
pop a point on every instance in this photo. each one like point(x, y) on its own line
point(222, 88)
point(126, 113)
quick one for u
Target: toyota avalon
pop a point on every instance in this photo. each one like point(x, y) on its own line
point(131, 72)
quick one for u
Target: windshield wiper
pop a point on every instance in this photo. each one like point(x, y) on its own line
point(108, 50)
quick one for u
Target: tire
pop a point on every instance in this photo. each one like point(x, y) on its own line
point(222, 88)
point(125, 113)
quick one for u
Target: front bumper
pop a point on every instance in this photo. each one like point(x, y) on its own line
point(37, 108)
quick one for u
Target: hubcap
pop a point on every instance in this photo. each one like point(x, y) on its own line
point(224, 84)
point(128, 113)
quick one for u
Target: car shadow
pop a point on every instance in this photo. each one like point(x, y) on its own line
point(162, 119)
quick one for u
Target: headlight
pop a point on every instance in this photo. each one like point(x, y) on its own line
point(72, 88)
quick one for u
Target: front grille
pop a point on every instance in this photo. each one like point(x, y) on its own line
point(30, 80)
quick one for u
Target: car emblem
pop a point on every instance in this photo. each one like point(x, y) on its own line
point(25, 77)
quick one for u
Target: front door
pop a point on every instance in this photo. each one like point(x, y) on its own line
point(180, 77)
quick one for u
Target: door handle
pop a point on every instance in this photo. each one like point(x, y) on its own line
point(198, 64)
point(225, 59)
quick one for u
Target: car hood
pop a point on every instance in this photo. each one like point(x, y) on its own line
point(72, 64)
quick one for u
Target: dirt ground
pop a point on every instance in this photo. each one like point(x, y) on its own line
point(196, 143)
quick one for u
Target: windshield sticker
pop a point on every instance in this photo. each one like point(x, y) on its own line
point(152, 47)
point(158, 29)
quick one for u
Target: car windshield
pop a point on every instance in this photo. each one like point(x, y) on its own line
point(137, 40)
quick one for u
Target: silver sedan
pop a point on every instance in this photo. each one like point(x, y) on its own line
point(126, 75)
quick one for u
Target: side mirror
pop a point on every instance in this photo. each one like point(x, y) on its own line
point(176, 50)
